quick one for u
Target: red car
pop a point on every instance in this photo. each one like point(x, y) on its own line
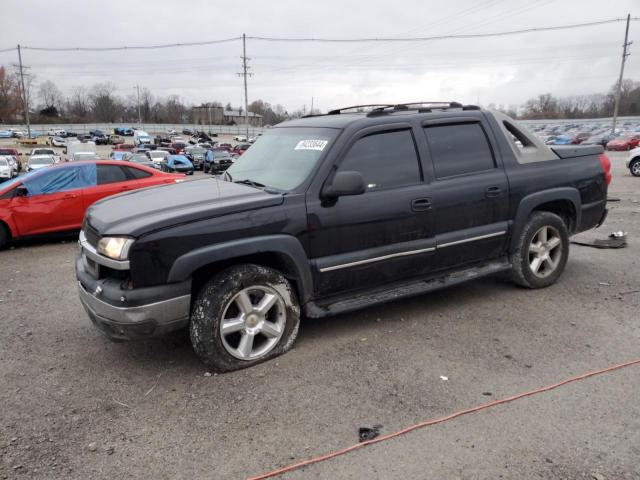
point(240, 149)
point(178, 147)
point(624, 143)
point(224, 146)
point(580, 137)
point(124, 146)
point(55, 199)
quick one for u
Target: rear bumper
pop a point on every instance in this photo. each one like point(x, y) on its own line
point(123, 314)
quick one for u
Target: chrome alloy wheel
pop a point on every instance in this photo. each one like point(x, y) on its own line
point(253, 322)
point(635, 168)
point(545, 252)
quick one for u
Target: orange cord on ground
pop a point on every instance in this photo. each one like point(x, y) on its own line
point(426, 423)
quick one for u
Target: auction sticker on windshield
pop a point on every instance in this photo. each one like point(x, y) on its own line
point(311, 145)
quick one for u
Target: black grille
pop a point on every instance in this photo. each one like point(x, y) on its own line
point(91, 235)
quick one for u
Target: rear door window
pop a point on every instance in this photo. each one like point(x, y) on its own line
point(111, 174)
point(385, 160)
point(61, 179)
point(137, 173)
point(459, 149)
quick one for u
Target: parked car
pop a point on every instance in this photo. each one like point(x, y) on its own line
point(196, 156)
point(315, 220)
point(219, 163)
point(45, 151)
point(119, 155)
point(13, 152)
point(626, 142)
point(7, 172)
point(57, 132)
point(113, 139)
point(14, 163)
point(74, 147)
point(124, 146)
point(560, 140)
point(177, 163)
point(178, 146)
point(56, 198)
point(156, 156)
point(142, 159)
point(15, 133)
point(240, 138)
point(225, 146)
point(239, 149)
point(84, 157)
point(171, 131)
point(36, 162)
point(125, 132)
point(598, 140)
point(56, 141)
point(187, 131)
point(579, 137)
point(5, 134)
point(141, 137)
point(85, 138)
point(633, 162)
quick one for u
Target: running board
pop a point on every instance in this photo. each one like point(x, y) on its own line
point(366, 299)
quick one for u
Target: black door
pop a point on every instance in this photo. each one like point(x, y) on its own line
point(383, 235)
point(469, 193)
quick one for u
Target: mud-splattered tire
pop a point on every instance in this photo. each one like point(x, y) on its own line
point(244, 315)
point(542, 252)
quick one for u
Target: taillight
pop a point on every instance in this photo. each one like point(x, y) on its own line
point(606, 167)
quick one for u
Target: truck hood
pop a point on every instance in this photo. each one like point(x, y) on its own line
point(144, 211)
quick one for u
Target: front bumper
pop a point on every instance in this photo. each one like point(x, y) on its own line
point(131, 314)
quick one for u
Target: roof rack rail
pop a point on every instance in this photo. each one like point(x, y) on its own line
point(340, 110)
point(421, 107)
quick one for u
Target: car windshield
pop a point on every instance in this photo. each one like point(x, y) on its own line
point(43, 151)
point(3, 163)
point(139, 158)
point(284, 157)
point(220, 154)
point(41, 161)
point(160, 154)
point(197, 150)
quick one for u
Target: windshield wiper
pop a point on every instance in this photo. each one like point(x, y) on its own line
point(246, 181)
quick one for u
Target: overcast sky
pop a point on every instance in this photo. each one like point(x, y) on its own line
point(502, 70)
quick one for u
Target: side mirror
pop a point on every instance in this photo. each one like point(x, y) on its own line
point(345, 183)
point(22, 191)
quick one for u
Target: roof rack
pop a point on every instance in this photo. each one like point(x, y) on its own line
point(378, 105)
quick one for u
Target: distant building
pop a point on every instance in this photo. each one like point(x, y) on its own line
point(206, 115)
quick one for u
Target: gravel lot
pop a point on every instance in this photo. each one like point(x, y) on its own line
point(75, 405)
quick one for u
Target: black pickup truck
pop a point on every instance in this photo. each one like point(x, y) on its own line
point(332, 213)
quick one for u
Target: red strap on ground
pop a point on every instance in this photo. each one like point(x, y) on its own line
point(382, 438)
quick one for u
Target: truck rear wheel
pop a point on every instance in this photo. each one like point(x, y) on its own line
point(542, 251)
point(244, 315)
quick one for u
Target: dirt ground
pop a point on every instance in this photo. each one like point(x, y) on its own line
point(75, 405)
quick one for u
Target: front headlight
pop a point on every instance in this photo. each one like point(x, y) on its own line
point(116, 248)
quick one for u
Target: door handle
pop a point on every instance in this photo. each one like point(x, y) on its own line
point(71, 195)
point(421, 204)
point(493, 192)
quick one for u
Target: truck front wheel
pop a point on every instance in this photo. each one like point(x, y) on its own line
point(542, 251)
point(244, 315)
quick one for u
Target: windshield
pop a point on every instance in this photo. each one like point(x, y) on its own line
point(160, 154)
point(43, 151)
point(139, 158)
point(197, 151)
point(3, 163)
point(41, 161)
point(284, 157)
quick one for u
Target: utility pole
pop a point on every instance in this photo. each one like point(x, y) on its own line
point(139, 116)
point(619, 89)
point(245, 73)
point(25, 100)
point(311, 112)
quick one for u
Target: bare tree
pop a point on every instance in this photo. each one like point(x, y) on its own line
point(10, 103)
point(104, 104)
point(50, 94)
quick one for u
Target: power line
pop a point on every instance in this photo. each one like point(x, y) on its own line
point(331, 40)
point(137, 47)
point(443, 37)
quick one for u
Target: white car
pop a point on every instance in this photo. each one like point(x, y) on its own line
point(45, 151)
point(171, 132)
point(633, 162)
point(36, 162)
point(15, 133)
point(52, 132)
point(84, 156)
point(157, 156)
point(240, 138)
point(56, 141)
point(6, 170)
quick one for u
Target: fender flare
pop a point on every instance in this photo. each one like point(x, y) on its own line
point(286, 246)
point(530, 202)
